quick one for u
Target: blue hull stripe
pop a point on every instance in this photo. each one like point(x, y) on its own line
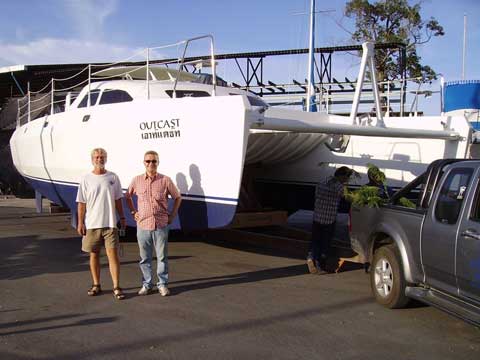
point(58, 182)
point(193, 213)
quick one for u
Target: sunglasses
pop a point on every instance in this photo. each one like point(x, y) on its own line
point(151, 161)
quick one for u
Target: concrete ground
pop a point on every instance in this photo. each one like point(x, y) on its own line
point(226, 303)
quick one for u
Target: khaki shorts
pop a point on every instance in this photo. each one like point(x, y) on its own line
point(95, 238)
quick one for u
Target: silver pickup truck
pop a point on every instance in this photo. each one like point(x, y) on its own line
point(429, 253)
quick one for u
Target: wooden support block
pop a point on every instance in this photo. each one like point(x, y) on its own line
point(55, 209)
point(341, 261)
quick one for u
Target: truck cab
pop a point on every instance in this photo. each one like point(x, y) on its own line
point(431, 252)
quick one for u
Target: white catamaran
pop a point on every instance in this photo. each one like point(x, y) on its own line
point(206, 134)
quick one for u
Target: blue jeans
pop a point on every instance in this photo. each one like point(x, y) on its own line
point(147, 241)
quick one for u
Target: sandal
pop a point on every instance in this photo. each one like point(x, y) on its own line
point(94, 290)
point(118, 294)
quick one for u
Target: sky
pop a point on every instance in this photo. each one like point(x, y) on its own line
point(73, 31)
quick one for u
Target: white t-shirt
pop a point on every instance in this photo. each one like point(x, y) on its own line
point(99, 193)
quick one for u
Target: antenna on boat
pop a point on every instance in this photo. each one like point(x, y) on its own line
point(311, 106)
point(464, 44)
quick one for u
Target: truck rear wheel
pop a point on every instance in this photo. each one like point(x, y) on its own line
point(386, 278)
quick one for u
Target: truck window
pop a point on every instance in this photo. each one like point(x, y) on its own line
point(411, 191)
point(475, 214)
point(450, 199)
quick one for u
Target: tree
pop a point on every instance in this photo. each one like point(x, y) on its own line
point(394, 21)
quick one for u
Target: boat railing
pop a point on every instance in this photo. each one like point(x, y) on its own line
point(59, 93)
point(336, 97)
point(212, 59)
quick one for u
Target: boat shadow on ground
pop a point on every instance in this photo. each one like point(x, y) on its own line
point(286, 249)
point(27, 256)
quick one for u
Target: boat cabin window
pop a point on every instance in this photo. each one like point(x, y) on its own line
point(112, 96)
point(208, 79)
point(187, 93)
point(93, 98)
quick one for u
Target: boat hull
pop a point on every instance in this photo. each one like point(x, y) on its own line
point(201, 143)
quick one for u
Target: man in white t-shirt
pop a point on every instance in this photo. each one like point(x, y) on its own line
point(99, 195)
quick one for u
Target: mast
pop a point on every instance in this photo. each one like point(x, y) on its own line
point(464, 44)
point(311, 106)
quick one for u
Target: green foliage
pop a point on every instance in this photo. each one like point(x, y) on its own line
point(394, 21)
point(369, 196)
point(406, 203)
point(376, 174)
point(365, 196)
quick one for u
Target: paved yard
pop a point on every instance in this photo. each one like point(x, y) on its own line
point(226, 304)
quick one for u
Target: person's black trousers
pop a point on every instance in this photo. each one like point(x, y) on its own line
point(322, 235)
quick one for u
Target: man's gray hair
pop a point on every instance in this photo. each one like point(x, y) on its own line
point(151, 152)
point(98, 150)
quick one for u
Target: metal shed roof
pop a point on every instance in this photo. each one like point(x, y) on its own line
point(14, 79)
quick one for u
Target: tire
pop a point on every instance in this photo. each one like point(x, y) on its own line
point(387, 279)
